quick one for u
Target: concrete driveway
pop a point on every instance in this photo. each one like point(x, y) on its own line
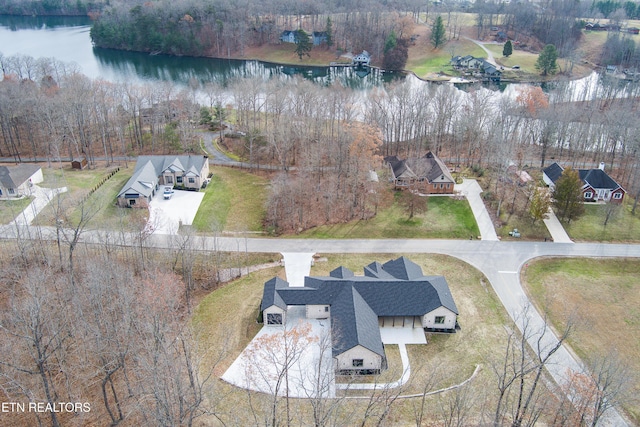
point(165, 215)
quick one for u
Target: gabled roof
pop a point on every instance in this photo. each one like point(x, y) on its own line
point(143, 181)
point(15, 176)
point(149, 168)
point(597, 178)
point(429, 166)
point(396, 288)
point(553, 171)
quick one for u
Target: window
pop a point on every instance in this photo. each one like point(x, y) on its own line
point(192, 180)
point(439, 320)
point(274, 319)
point(617, 196)
point(326, 309)
point(179, 179)
point(357, 363)
point(132, 202)
point(441, 185)
point(11, 191)
point(168, 179)
point(588, 195)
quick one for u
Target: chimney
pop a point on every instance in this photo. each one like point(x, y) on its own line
point(601, 166)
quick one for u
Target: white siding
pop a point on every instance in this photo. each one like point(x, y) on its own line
point(273, 309)
point(429, 319)
point(317, 311)
point(548, 181)
point(371, 360)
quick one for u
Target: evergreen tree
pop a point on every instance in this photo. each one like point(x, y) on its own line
point(329, 31)
point(507, 50)
point(546, 62)
point(391, 42)
point(567, 195)
point(303, 44)
point(438, 34)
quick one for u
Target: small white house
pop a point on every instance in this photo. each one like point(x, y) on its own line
point(17, 181)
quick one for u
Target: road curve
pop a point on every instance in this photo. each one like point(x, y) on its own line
point(500, 262)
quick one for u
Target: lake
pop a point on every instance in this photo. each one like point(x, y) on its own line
point(67, 39)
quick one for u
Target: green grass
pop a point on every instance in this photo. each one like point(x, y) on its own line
point(233, 201)
point(423, 60)
point(593, 290)
point(528, 230)
point(99, 206)
point(622, 227)
point(226, 319)
point(445, 218)
point(10, 209)
point(526, 60)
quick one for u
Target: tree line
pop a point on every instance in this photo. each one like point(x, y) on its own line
point(221, 29)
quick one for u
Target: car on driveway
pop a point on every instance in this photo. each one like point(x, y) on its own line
point(168, 193)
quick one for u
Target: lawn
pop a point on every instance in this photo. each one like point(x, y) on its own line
point(622, 227)
point(595, 290)
point(424, 60)
point(284, 53)
point(10, 209)
point(528, 230)
point(526, 60)
point(234, 201)
point(226, 319)
point(445, 218)
point(99, 206)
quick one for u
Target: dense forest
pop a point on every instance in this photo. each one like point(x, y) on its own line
point(51, 7)
point(219, 29)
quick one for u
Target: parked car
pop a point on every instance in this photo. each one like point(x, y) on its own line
point(168, 193)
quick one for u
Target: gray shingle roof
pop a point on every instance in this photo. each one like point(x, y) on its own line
point(396, 288)
point(429, 166)
point(597, 178)
point(149, 168)
point(15, 176)
point(553, 171)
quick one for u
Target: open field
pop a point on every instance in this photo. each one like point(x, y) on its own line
point(226, 318)
point(445, 218)
point(233, 201)
point(622, 226)
point(10, 209)
point(611, 324)
point(424, 60)
point(284, 53)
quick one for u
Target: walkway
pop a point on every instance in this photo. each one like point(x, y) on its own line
point(471, 190)
point(42, 197)
point(557, 231)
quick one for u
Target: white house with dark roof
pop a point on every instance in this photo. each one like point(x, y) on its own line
point(186, 172)
point(396, 294)
point(16, 181)
point(597, 185)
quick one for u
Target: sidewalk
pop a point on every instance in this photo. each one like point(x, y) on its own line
point(42, 198)
point(471, 190)
point(558, 234)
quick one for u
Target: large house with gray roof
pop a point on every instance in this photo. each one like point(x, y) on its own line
point(186, 172)
point(428, 173)
point(597, 185)
point(394, 294)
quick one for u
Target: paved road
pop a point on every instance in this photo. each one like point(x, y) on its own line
point(500, 262)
